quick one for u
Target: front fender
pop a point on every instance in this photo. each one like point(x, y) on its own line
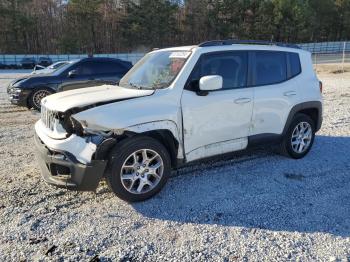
point(160, 125)
point(138, 115)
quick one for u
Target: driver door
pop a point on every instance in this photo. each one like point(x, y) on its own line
point(217, 122)
point(85, 76)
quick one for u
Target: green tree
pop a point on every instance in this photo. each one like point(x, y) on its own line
point(150, 23)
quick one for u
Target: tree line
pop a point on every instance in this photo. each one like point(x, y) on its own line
point(111, 26)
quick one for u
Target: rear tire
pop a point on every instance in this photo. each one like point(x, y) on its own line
point(37, 96)
point(138, 168)
point(299, 138)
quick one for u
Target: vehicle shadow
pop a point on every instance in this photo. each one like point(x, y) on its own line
point(263, 190)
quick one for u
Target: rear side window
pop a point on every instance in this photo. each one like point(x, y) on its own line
point(87, 68)
point(100, 67)
point(294, 61)
point(270, 67)
point(232, 66)
point(111, 67)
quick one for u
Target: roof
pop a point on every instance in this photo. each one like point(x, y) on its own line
point(246, 42)
point(103, 59)
point(227, 45)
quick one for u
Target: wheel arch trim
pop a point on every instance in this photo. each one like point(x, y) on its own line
point(311, 105)
point(160, 127)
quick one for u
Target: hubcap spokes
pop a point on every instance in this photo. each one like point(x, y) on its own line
point(38, 96)
point(301, 137)
point(142, 171)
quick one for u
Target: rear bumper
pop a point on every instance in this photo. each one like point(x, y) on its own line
point(62, 169)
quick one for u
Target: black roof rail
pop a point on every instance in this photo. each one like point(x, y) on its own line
point(245, 42)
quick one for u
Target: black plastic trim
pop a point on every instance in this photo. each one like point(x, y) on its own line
point(262, 139)
point(82, 177)
point(303, 106)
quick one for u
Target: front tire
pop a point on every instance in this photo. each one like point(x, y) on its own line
point(299, 138)
point(37, 96)
point(139, 168)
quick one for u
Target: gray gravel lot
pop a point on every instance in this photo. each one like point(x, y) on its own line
point(252, 206)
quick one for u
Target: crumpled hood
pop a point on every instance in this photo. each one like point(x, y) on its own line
point(63, 101)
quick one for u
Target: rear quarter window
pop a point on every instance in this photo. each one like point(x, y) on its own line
point(295, 67)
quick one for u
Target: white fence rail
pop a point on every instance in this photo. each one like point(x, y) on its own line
point(325, 52)
point(327, 47)
point(329, 52)
point(15, 60)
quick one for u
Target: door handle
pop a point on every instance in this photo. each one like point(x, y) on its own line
point(242, 100)
point(290, 93)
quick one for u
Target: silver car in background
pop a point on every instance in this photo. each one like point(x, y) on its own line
point(38, 69)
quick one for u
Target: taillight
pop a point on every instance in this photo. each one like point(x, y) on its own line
point(321, 86)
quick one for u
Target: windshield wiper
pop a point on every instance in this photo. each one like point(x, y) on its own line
point(159, 85)
point(137, 86)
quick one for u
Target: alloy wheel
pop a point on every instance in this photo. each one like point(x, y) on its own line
point(38, 96)
point(301, 137)
point(142, 171)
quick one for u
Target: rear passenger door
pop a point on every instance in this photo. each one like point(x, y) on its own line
point(275, 84)
point(110, 72)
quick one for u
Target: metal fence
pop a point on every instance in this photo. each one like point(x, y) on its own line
point(326, 47)
point(15, 60)
point(328, 52)
point(325, 52)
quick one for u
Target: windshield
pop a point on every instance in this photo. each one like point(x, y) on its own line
point(155, 70)
point(57, 65)
point(62, 68)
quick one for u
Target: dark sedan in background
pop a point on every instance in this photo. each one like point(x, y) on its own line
point(44, 61)
point(28, 62)
point(87, 72)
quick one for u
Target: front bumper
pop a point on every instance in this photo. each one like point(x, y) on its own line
point(19, 98)
point(62, 169)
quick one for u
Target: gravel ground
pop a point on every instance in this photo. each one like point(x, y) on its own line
point(253, 206)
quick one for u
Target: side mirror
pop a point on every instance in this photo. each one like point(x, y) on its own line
point(72, 73)
point(210, 83)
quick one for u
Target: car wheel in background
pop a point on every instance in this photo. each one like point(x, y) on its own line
point(139, 168)
point(37, 96)
point(299, 138)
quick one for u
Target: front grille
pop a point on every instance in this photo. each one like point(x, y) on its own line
point(48, 117)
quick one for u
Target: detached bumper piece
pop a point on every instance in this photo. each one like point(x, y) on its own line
point(63, 170)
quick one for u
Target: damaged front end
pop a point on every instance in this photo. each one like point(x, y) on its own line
point(71, 155)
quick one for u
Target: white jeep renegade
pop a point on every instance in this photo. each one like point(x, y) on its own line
point(175, 106)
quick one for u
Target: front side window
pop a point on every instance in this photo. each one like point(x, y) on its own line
point(231, 66)
point(155, 70)
point(64, 69)
point(270, 67)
